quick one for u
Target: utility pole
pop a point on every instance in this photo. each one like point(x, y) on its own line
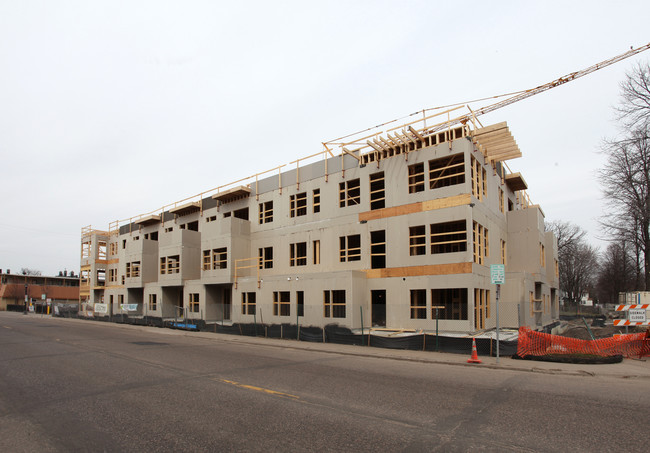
point(25, 302)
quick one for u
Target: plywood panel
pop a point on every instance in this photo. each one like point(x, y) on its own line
point(415, 271)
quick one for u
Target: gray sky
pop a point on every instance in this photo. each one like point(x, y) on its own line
point(109, 109)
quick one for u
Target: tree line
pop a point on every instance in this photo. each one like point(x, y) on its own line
point(624, 265)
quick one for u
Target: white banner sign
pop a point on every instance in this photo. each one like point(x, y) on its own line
point(101, 308)
point(129, 307)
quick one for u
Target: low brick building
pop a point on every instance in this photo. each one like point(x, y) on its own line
point(38, 289)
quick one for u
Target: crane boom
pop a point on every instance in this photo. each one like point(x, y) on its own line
point(470, 117)
point(540, 89)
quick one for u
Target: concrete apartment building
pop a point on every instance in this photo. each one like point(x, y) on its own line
point(386, 232)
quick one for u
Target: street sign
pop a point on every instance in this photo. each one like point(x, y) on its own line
point(498, 274)
point(637, 315)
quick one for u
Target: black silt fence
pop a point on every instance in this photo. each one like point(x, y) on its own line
point(341, 335)
point(336, 334)
point(312, 334)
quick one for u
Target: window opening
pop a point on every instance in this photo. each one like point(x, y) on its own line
point(418, 304)
point(453, 299)
point(481, 249)
point(242, 213)
point(350, 248)
point(207, 260)
point(266, 257)
point(298, 254)
point(194, 302)
point(447, 171)
point(416, 178)
point(316, 200)
point(248, 303)
point(316, 245)
point(334, 303)
point(193, 226)
point(220, 258)
point(449, 237)
point(417, 240)
point(377, 191)
point(281, 303)
point(298, 204)
point(349, 193)
point(479, 180)
point(378, 249)
point(502, 206)
point(266, 212)
point(300, 303)
point(153, 304)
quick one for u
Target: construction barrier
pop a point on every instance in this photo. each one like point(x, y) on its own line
point(537, 344)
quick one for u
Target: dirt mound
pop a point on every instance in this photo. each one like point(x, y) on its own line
point(577, 329)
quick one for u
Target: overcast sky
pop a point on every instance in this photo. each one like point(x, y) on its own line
point(110, 109)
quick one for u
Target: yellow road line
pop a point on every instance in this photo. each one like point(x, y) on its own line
point(260, 389)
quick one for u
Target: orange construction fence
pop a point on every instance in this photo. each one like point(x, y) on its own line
point(532, 343)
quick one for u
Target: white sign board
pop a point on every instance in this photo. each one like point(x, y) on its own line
point(637, 315)
point(498, 274)
point(101, 308)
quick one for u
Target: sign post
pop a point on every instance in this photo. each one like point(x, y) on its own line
point(498, 277)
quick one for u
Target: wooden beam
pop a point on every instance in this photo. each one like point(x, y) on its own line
point(346, 151)
point(416, 133)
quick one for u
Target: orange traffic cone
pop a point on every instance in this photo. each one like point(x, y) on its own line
point(474, 358)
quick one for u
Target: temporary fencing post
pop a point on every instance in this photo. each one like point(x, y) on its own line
point(588, 328)
point(361, 309)
point(437, 307)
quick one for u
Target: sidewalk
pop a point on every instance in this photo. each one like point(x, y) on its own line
point(628, 369)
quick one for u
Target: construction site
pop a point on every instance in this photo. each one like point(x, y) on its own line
point(393, 228)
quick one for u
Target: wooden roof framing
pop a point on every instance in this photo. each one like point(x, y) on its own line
point(233, 194)
point(496, 142)
point(187, 208)
point(516, 182)
point(148, 220)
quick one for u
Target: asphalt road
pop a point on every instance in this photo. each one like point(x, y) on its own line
point(85, 386)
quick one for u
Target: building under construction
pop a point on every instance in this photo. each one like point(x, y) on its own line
point(396, 229)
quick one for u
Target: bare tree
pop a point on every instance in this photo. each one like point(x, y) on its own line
point(634, 108)
point(577, 260)
point(625, 182)
point(28, 271)
point(617, 272)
